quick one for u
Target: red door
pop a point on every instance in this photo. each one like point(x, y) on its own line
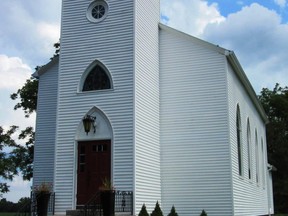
point(94, 164)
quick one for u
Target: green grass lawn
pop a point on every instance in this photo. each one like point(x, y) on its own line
point(7, 213)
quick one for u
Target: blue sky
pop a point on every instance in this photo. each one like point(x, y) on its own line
point(228, 7)
point(256, 31)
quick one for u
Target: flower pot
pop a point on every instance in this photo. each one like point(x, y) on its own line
point(42, 203)
point(108, 202)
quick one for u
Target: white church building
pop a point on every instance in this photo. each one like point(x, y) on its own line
point(175, 118)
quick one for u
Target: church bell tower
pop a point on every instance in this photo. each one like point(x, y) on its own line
point(123, 37)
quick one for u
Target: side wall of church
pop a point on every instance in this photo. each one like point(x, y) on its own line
point(195, 167)
point(43, 170)
point(249, 196)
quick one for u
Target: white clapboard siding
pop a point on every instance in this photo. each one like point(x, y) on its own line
point(147, 146)
point(45, 125)
point(83, 42)
point(249, 198)
point(195, 157)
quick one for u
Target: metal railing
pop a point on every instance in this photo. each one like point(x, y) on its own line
point(123, 204)
point(93, 206)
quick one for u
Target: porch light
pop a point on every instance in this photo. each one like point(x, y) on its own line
point(89, 121)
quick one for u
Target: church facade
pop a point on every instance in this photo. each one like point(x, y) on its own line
point(175, 118)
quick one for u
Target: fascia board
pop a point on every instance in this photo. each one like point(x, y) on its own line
point(193, 39)
point(43, 69)
point(246, 83)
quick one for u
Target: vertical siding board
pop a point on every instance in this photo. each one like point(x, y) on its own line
point(194, 135)
point(248, 196)
point(147, 145)
point(82, 42)
point(45, 127)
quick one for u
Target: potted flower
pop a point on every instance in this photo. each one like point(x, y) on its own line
point(42, 193)
point(107, 196)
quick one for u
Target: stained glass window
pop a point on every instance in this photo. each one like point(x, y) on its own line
point(97, 79)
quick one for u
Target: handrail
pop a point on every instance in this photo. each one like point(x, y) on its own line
point(93, 206)
point(123, 203)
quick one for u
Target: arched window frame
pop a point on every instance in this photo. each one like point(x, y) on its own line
point(90, 69)
point(239, 141)
point(249, 150)
point(263, 163)
point(256, 157)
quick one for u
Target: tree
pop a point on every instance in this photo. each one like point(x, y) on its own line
point(7, 167)
point(143, 211)
point(27, 95)
point(173, 212)
point(19, 159)
point(157, 210)
point(15, 158)
point(275, 103)
point(29, 92)
point(6, 206)
point(203, 213)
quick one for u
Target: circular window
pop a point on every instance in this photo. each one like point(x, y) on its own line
point(97, 11)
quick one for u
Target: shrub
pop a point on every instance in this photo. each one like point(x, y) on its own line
point(143, 211)
point(173, 212)
point(157, 210)
point(203, 213)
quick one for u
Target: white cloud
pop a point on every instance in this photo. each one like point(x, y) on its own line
point(29, 33)
point(260, 42)
point(13, 72)
point(190, 16)
point(281, 3)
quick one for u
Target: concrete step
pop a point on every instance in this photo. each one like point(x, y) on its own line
point(80, 212)
point(77, 212)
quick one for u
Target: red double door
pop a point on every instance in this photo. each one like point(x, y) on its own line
point(94, 164)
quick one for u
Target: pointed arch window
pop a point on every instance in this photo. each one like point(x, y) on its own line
point(249, 149)
point(257, 157)
point(97, 79)
point(239, 141)
point(263, 163)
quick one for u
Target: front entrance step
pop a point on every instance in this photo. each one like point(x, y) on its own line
point(77, 212)
point(123, 214)
point(80, 212)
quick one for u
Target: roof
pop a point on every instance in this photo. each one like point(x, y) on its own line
point(43, 69)
point(232, 59)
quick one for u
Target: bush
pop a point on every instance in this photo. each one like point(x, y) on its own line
point(173, 212)
point(157, 210)
point(143, 211)
point(203, 213)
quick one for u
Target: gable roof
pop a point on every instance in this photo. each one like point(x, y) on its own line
point(232, 59)
point(43, 69)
